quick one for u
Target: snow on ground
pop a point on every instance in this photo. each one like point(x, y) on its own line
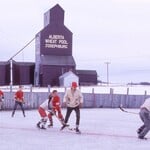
point(104, 89)
point(105, 129)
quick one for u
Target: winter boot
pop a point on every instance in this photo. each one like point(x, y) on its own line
point(138, 131)
point(43, 123)
point(43, 127)
point(13, 113)
point(142, 138)
point(24, 115)
point(38, 124)
point(77, 130)
point(51, 123)
point(50, 126)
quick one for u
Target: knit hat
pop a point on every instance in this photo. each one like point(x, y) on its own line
point(74, 84)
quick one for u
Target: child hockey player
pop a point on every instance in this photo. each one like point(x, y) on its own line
point(145, 117)
point(19, 100)
point(73, 99)
point(52, 105)
point(55, 110)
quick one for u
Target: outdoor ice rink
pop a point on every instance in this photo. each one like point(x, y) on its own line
point(102, 129)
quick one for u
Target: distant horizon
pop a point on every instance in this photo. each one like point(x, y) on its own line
point(131, 74)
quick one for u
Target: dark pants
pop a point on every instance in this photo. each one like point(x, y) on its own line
point(77, 111)
point(15, 107)
point(145, 117)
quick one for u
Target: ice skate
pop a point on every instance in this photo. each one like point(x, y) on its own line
point(50, 126)
point(38, 125)
point(78, 131)
point(51, 123)
point(142, 138)
point(43, 127)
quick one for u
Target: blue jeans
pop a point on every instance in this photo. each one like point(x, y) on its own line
point(77, 111)
point(145, 117)
point(15, 107)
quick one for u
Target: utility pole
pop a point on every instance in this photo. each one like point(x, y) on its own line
point(11, 72)
point(107, 66)
point(11, 61)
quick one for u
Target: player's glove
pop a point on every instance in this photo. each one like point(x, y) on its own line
point(52, 112)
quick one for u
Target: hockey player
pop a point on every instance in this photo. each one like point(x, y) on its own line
point(73, 99)
point(52, 105)
point(55, 109)
point(1, 99)
point(45, 106)
point(19, 100)
point(145, 117)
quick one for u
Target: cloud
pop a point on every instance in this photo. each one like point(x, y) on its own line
point(132, 1)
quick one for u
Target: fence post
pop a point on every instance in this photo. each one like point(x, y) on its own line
point(93, 95)
point(111, 96)
point(30, 100)
point(127, 98)
point(145, 95)
point(10, 97)
point(31, 88)
point(49, 88)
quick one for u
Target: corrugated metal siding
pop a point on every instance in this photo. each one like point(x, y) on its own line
point(4, 73)
point(50, 74)
point(23, 73)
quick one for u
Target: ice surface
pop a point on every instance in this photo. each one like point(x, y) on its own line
point(102, 129)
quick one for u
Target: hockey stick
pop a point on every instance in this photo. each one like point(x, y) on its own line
point(71, 129)
point(122, 109)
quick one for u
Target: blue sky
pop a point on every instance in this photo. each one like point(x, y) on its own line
point(116, 31)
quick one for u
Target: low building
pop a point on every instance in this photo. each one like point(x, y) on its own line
point(67, 78)
point(87, 77)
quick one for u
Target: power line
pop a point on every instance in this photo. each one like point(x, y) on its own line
point(11, 59)
point(21, 49)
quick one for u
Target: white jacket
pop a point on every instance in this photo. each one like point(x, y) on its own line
point(73, 98)
point(44, 105)
point(146, 104)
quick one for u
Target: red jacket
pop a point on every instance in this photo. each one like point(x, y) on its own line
point(1, 95)
point(19, 96)
point(55, 102)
